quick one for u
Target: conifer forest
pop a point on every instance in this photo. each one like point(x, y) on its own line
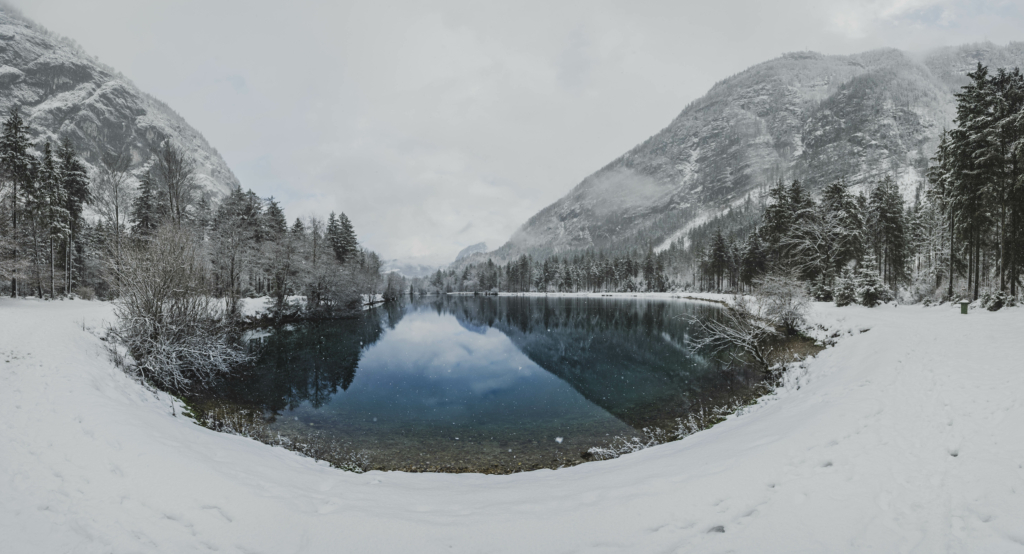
point(960, 237)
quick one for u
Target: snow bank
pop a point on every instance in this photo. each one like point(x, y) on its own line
point(906, 437)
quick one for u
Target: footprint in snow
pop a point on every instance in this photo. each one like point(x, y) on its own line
point(717, 529)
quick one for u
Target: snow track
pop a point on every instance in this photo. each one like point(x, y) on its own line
point(906, 438)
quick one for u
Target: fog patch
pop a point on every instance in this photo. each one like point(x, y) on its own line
point(619, 189)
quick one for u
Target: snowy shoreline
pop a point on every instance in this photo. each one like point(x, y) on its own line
point(713, 297)
point(903, 438)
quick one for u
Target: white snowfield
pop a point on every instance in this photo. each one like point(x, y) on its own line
point(906, 438)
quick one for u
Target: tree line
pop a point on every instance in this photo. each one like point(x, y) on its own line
point(963, 233)
point(50, 248)
point(586, 272)
point(177, 262)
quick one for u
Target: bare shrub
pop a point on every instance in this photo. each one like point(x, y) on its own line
point(174, 330)
point(749, 326)
point(744, 327)
point(783, 300)
point(85, 293)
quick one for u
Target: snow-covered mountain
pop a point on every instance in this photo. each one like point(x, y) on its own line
point(63, 91)
point(471, 249)
point(803, 116)
point(410, 268)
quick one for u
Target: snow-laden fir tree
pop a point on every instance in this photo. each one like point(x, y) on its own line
point(75, 180)
point(871, 291)
point(16, 165)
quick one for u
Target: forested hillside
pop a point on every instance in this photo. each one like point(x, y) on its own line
point(805, 116)
point(64, 92)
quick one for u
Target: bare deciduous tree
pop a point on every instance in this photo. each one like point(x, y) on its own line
point(176, 173)
point(113, 192)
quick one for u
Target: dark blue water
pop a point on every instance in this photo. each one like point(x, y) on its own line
point(485, 383)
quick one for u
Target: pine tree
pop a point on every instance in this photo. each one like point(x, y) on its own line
point(718, 258)
point(275, 220)
point(334, 237)
point(888, 232)
point(970, 172)
point(347, 238)
point(777, 220)
point(871, 291)
point(146, 213)
point(753, 259)
point(846, 225)
point(942, 195)
point(16, 164)
point(51, 207)
point(75, 181)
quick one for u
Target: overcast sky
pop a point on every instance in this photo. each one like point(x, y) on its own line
point(436, 125)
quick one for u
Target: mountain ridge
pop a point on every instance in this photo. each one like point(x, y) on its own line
point(803, 115)
point(64, 91)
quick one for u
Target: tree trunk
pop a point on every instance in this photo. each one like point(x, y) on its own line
point(951, 245)
point(977, 265)
point(35, 260)
point(53, 291)
point(14, 236)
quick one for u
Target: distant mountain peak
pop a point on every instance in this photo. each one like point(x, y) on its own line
point(472, 249)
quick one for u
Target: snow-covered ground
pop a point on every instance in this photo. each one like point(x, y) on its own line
point(906, 438)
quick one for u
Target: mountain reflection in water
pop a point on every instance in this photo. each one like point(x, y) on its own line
point(484, 381)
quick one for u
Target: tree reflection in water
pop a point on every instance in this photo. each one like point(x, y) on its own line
point(501, 377)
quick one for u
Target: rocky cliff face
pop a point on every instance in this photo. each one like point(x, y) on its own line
point(802, 116)
point(62, 91)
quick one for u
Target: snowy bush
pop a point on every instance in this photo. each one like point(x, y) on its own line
point(626, 445)
point(993, 301)
point(819, 292)
point(173, 329)
point(86, 293)
point(923, 288)
point(871, 291)
point(697, 420)
point(844, 291)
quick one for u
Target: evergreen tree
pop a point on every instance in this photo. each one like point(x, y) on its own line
point(348, 244)
point(146, 213)
point(871, 291)
point(16, 165)
point(50, 205)
point(753, 258)
point(718, 259)
point(274, 215)
point(75, 182)
point(845, 225)
point(777, 220)
point(334, 237)
point(888, 232)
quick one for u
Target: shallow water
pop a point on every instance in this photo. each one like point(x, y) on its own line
point(491, 384)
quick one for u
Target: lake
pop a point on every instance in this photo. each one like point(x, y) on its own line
point(486, 384)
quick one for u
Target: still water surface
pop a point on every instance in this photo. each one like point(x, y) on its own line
point(493, 384)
